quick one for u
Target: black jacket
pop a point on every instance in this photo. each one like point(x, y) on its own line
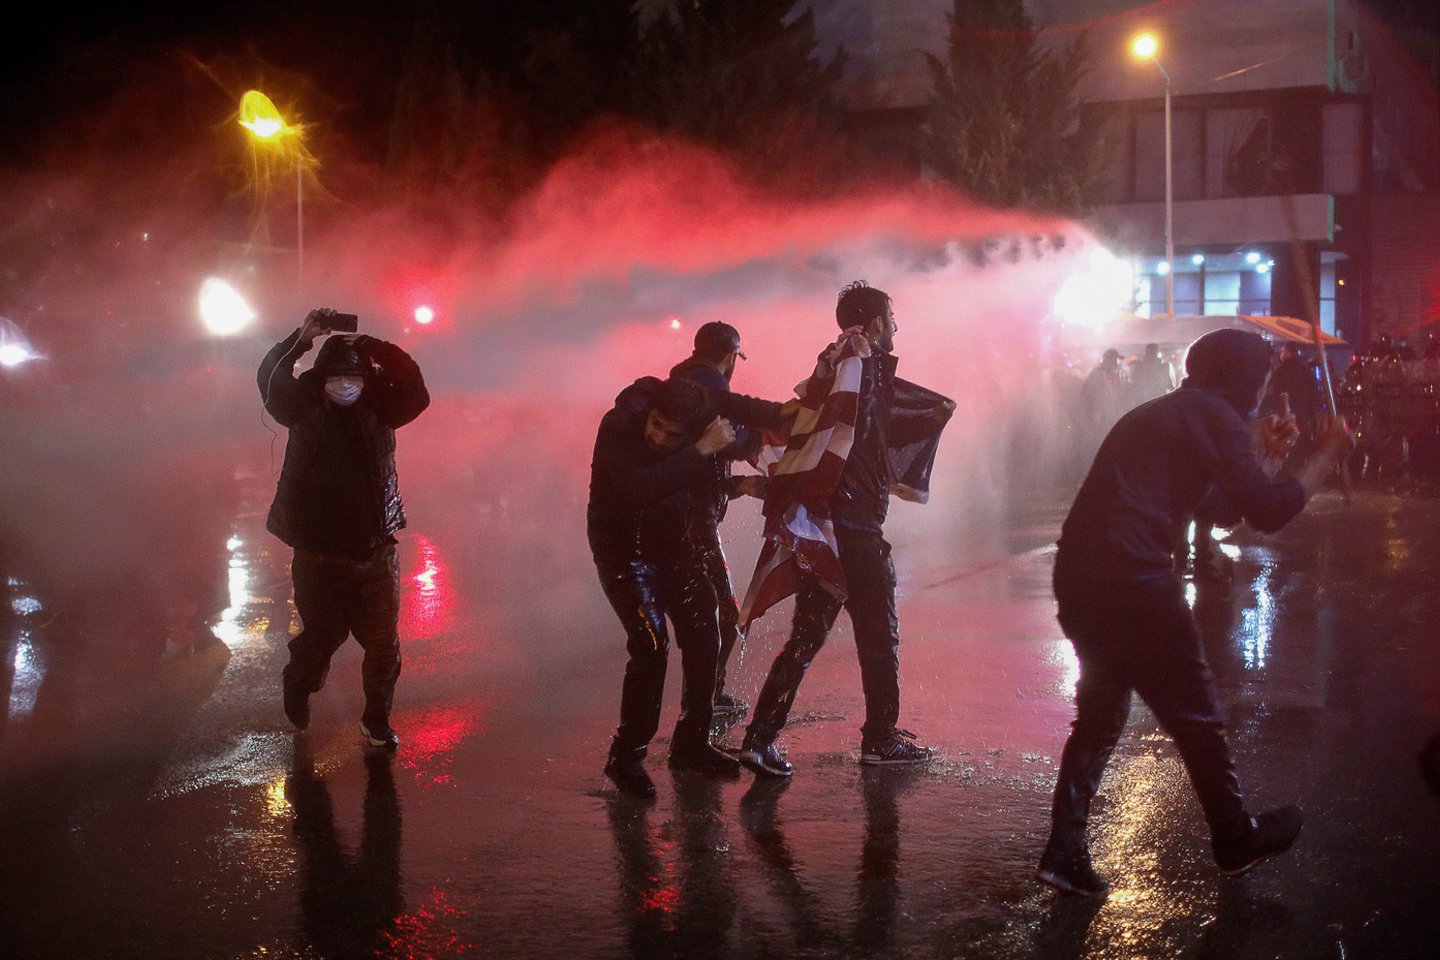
point(714, 495)
point(639, 498)
point(339, 460)
point(1149, 476)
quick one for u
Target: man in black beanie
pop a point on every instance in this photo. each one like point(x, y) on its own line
point(1123, 607)
point(338, 505)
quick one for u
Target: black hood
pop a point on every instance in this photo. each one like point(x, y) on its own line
point(339, 357)
point(1232, 363)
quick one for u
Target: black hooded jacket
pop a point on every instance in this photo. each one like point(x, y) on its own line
point(713, 497)
point(642, 499)
point(635, 489)
point(338, 491)
point(1161, 459)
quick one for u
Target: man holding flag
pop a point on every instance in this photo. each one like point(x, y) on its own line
point(860, 434)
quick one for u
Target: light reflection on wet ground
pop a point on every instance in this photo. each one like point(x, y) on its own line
point(161, 807)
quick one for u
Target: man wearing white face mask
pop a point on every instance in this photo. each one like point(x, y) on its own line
point(338, 505)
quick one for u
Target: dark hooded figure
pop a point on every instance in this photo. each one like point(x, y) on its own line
point(654, 457)
point(1123, 607)
point(717, 347)
point(338, 505)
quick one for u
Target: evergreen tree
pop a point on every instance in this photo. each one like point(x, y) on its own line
point(741, 76)
point(489, 98)
point(1004, 118)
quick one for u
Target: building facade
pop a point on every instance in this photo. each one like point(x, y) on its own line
point(1304, 145)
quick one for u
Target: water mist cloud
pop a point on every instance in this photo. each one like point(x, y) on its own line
point(539, 322)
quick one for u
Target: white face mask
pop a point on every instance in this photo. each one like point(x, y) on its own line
point(344, 390)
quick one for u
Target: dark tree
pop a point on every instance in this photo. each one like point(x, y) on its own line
point(742, 76)
point(490, 95)
point(1004, 120)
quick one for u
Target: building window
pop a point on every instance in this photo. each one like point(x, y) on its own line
point(1254, 292)
point(1149, 170)
point(1328, 275)
point(1237, 148)
point(1222, 292)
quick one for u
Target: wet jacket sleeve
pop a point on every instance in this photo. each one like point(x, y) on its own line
point(735, 407)
point(279, 390)
point(643, 481)
point(1266, 504)
point(403, 393)
point(750, 411)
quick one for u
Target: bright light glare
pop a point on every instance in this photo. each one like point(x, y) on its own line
point(1197, 258)
point(1163, 267)
point(1252, 257)
point(1092, 297)
point(424, 315)
point(223, 310)
point(259, 116)
point(1145, 46)
point(675, 323)
point(13, 354)
point(1262, 268)
point(14, 348)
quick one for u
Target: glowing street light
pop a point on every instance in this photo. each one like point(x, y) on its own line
point(13, 354)
point(1146, 46)
point(14, 348)
point(260, 117)
point(222, 309)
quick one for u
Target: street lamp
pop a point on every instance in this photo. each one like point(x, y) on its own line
point(1146, 46)
point(259, 116)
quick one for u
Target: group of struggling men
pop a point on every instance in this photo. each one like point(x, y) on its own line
point(660, 482)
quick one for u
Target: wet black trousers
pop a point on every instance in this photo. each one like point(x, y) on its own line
point(705, 540)
point(870, 574)
point(1142, 638)
point(643, 592)
point(336, 597)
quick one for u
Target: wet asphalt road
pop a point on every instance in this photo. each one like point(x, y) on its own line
point(156, 805)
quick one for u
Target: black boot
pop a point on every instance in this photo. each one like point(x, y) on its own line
point(1067, 868)
point(295, 700)
point(1257, 840)
point(627, 769)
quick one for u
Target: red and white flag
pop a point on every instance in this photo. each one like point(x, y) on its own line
point(804, 467)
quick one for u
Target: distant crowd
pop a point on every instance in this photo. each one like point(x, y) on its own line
point(1389, 394)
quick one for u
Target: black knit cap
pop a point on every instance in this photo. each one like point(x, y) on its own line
point(338, 357)
point(1233, 363)
point(717, 340)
